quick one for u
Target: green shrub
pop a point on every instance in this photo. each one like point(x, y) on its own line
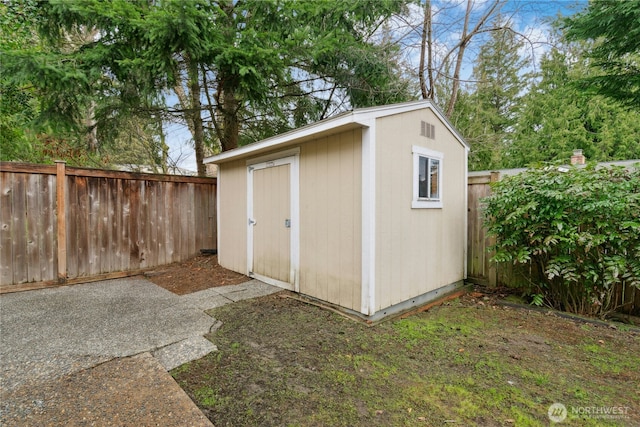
point(578, 230)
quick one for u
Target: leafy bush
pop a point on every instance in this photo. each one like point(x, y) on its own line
point(578, 230)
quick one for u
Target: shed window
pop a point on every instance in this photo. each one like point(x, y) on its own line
point(427, 178)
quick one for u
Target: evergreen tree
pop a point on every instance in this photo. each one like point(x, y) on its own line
point(18, 104)
point(557, 117)
point(614, 28)
point(228, 63)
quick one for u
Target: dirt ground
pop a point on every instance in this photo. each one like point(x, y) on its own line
point(471, 361)
point(195, 274)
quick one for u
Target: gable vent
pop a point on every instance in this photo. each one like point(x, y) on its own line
point(428, 130)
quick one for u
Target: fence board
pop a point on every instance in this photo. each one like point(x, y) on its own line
point(198, 213)
point(72, 228)
point(116, 222)
point(125, 256)
point(191, 229)
point(103, 226)
point(6, 229)
point(93, 205)
point(160, 226)
point(134, 252)
point(184, 219)
point(19, 225)
point(48, 261)
point(169, 227)
point(84, 234)
point(152, 229)
point(142, 231)
point(33, 227)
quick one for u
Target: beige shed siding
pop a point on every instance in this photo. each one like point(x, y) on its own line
point(330, 211)
point(232, 249)
point(417, 250)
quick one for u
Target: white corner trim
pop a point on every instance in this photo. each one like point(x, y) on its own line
point(247, 219)
point(218, 228)
point(465, 190)
point(368, 219)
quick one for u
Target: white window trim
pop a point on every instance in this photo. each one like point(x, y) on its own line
point(417, 202)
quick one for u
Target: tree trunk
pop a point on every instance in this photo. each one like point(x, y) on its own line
point(196, 116)
point(92, 128)
point(464, 40)
point(227, 108)
point(426, 46)
point(230, 122)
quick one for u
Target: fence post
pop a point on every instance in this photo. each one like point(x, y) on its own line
point(493, 267)
point(61, 197)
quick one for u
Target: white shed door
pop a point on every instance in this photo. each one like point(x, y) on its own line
point(270, 223)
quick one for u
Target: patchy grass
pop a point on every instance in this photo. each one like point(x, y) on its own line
point(283, 362)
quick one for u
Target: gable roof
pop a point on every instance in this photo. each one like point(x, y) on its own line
point(357, 118)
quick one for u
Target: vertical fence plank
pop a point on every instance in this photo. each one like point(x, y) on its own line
point(115, 218)
point(134, 220)
point(19, 225)
point(152, 223)
point(104, 226)
point(72, 227)
point(93, 205)
point(143, 223)
point(34, 227)
point(160, 224)
point(169, 227)
point(6, 229)
point(191, 222)
point(61, 220)
point(48, 263)
point(84, 230)
point(125, 242)
point(476, 248)
point(184, 220)
point(199, 224)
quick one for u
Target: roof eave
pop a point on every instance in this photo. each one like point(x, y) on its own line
point(361, 117)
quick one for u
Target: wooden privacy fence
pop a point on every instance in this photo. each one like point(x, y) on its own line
point(67, 225)
point(479, 268)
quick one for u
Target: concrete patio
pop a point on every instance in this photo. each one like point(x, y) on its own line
point(51, 338)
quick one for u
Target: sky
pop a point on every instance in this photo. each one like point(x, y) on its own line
point(530, 17)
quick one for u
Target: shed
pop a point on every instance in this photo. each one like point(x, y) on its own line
point(366, 210)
